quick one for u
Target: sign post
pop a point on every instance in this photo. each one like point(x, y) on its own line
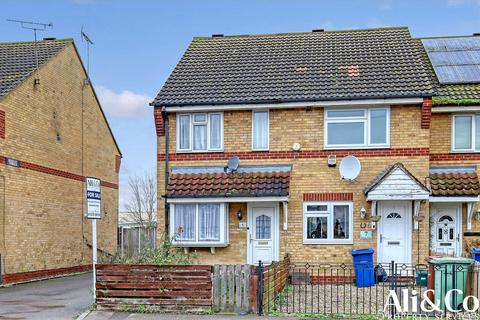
point(94, 212)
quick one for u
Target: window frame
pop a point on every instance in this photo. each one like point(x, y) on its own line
point(365, 119)
point(268, 130)
point(474, 124)
point(330, 223)
point(192, 124)
point(224, 234)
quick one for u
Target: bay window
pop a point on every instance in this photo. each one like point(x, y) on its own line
point(327, 222)
point(466, 133)
point(260, 128)
point(199, 224)
point(200, 132)
point(357, 128)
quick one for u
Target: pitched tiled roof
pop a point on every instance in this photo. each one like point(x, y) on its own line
point(459, 94)
point(454, 181)
point(310, 66)
point(239, 184)
point(18, 60)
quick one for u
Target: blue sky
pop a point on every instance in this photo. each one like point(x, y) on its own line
point(138, 43)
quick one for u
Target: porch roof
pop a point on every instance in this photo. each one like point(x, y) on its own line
point(454, 181)
point(214, 182)
point(396, 183)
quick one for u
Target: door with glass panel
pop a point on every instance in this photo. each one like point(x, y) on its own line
point(262, 235)
point(445, 226)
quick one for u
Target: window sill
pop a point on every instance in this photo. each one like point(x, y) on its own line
point(355, 147)
point(199, 151)
point(260, 150)
point(200, 245)
point(465, 151)
point(322, 242)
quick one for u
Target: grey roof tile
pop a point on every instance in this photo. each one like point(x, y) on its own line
point(354, 64)
point(18, 60)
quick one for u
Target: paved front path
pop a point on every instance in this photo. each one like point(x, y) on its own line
point(61, 298)
point(105, 315)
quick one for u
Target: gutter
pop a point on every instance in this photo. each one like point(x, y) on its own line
point(290, 105)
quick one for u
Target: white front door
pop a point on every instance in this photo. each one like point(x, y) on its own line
point(263, 234)
point(445, 229)
point(394, 232)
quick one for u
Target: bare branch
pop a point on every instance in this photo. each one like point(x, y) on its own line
point(143, 202)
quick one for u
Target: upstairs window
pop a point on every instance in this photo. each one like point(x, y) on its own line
point(260, 128)
point(466, 133)
point(357, 128)
point(200, 132)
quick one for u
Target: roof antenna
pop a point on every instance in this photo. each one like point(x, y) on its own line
point(89, 42)
point(35, 26)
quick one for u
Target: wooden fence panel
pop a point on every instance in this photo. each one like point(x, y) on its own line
point(159, 288)
point(231, 288)
point(275, 277)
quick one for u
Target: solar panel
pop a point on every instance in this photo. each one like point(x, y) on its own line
point(455, 60)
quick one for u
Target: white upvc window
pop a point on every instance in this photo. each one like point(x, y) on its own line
point(198, 132)
point(260, 130)
point(327, 222)
point(357, 128)
point(466, 133)
point(199, 224)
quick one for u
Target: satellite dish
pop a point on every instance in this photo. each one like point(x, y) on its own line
point(233, 163)
point(350, 168)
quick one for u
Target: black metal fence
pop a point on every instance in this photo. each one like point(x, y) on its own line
point(391, 290)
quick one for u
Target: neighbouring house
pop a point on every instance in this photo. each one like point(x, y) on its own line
point(136, 232)
point(292, 107)
point(53, 134)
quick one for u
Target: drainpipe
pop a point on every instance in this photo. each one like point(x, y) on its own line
point(167, 132)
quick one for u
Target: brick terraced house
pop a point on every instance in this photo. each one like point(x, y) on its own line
point(292, 107)
point(53, 133)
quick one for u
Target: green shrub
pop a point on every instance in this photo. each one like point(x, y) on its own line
point(164, 254)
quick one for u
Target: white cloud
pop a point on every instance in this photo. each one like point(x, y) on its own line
point(123, 104)
point(462, 2)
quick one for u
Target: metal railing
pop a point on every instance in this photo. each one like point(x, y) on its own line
point(342, 289)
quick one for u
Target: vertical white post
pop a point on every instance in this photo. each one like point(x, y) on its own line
point(94, 256)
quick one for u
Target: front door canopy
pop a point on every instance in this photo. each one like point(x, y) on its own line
point(396, 183)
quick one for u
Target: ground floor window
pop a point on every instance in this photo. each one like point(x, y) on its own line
point(327, 222)
point(199, 223)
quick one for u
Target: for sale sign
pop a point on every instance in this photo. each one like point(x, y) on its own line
point(94, 199)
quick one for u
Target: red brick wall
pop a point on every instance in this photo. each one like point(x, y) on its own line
point(336, 196)
point(426, 113)
point(157, 114)
point(43, 274)
point(252, 155)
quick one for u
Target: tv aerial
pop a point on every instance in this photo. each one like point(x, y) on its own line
point(89, 42)
point(35, 26)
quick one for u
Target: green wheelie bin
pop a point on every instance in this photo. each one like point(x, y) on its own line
point(451, 273)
